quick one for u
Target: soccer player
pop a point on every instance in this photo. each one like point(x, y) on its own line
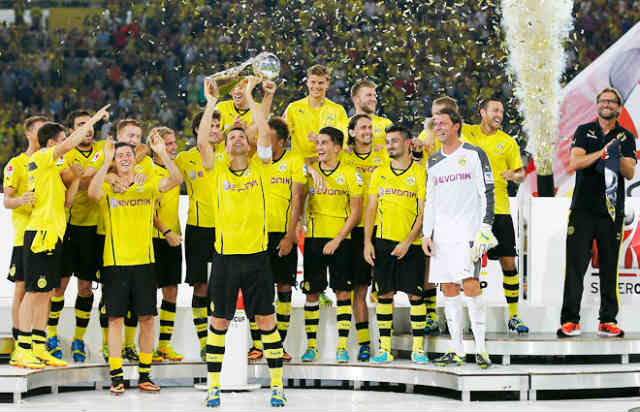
point(506, 163)
point(307, 116)
point(396, 197)
point(200, 232)
point(242, 259)
point(167, 242)
point(19, 199)
point(457, 231)
point(129, 279)
point(366, 158)
point(285, 186)
point(127, 131)
point(79, 249)
point(43, 239)
point(331, 215)
point(364, 98)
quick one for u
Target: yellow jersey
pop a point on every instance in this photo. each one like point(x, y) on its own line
point(47, 213)
point(241, 208)
point(84, 211)
point(228, 113)
point(365, 165)
point(281, 175)
point(379, 125)
point(200, 188)
point(400, 194)
point(144, 166)
point(503, 153)
point(167, 205)
point(15, 176)
point(129, 224)
point(327, 211)
point(303, 119)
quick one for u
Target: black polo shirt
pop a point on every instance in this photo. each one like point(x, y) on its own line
point(588, 193)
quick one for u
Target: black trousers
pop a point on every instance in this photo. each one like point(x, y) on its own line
point(584, 226)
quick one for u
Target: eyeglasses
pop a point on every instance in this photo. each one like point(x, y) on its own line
point(608, 101)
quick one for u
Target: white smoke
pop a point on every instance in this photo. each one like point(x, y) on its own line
point(535, 31)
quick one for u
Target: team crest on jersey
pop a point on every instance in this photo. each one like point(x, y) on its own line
point(138, 169)
point(8, 171)
point(462, 161)
point(306, 286)
point(340, 179)
point(219, 156)
point(192, 175)
point(42, 282)
point(283, 167)
point(378, 130)
point(377, 161)
point(570, 230)
point(411, 180)
point(139, 189)
point(359, 179)
point(330, 118)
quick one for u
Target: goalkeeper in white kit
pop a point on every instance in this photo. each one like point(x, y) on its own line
point(458, 215)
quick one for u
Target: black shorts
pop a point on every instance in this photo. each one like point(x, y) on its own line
point(41, 270)
point(168, 263)
point(127, 288)
point(316, 264)
point(362, 271)
point(503, 231)
point(198, 251)
point(249, 273)
point(100, 251)
point(284, 268)
point(16, 267)
point(392, 274)
point(80, 252)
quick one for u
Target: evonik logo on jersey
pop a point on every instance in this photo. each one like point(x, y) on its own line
point(129, 202)
point(454, 177)
point(226, 185)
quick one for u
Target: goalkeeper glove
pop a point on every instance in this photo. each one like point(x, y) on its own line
point(483, 242)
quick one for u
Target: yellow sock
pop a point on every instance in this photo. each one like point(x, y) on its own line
point(311, 322)
point(105, 336)
point(384, 314)
point(144, 365)
point(199, 311)
point(24, 340)
point(39, 341)
point(215, 354)
point(273, 352)
point(511, 285)
point(362, 329)
point(167, 322)
point(430, 302)
point(83, 315)
point(283, 314)
point(57, 304)
point(115, 368)
point(255, 334)
point(343, 316)
point(418, 314)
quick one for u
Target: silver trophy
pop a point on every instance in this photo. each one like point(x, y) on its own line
point(265, 64)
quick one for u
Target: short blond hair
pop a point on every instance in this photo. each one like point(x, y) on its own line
point(318, 70)
point(447, 101)
point(360, 84)
point(129, 122)
point(30, 121)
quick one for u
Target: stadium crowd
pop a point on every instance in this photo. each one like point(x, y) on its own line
point(150, 58)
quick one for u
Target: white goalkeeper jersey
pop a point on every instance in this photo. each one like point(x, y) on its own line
point(459, 194)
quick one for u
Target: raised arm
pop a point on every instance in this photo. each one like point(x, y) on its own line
point(80, 133)
point(204, 129)
point(95, 191)
point(175, 178)
point(258, 116)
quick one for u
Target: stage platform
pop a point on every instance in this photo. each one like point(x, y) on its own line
point(525, 380)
